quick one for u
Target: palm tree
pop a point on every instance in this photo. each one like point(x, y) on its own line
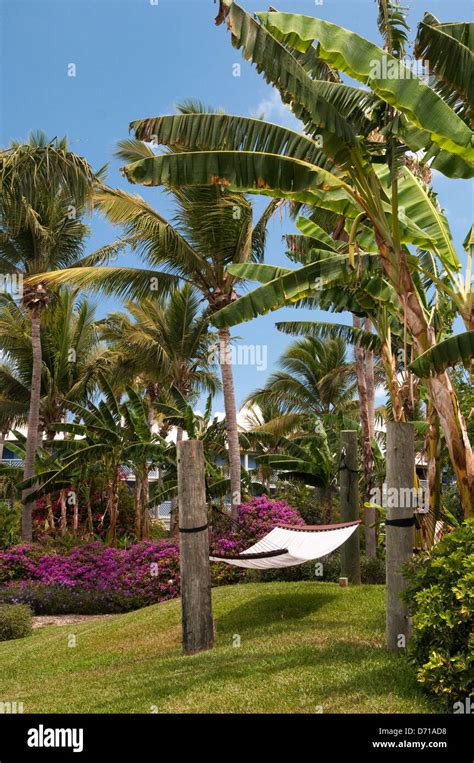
point(71, 358)
point(212, 227)
point(315, 379)
point(339, 164)
point(44, 189)
point(162, 342)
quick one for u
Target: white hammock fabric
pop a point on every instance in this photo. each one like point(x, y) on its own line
point(288, 545)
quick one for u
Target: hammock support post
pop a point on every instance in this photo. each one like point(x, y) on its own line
point(399, 527)
point(196, 603)
point(349, 494)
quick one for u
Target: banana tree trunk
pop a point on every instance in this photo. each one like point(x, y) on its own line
point(137, 500)
point(388, 361)
point(49, 504)
point(75, 519)
point(370, 516)
point(145, 506)
point(440, 388)
point(63, 505)
point(33, 422)
point(361, 373)
point(113, 510)
point(231, 419)
point(452, 422)
point(90, 519)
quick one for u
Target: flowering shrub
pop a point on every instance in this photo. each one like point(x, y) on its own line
point(89, 575)
point(93, 578)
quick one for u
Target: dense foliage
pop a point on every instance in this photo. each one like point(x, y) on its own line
point(441, 599)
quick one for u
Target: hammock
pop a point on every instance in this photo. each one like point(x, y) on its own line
point(288, 545)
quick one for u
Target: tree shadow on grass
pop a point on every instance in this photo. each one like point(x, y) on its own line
point(345, 669)
point(271, 609)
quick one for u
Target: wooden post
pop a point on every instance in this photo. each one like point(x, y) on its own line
point(400, 505)
point(349, 494)
point(198, 629)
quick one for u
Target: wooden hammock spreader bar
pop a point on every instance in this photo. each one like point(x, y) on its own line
point(319, 528)
point(261, 555)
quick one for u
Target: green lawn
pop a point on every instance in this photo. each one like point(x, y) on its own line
point(302, 646)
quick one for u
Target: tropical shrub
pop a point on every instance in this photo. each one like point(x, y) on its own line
point(15, 621)
point(440, 596)
point(305, 497)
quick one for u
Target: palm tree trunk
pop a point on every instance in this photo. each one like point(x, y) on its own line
point(33, 422)
point(371, 515)
point(231, 419)
point(174, 515)
point(367, 428)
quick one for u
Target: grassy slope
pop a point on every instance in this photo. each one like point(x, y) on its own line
point(303, 645)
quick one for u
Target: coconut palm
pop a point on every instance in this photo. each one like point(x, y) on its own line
point(44, 190)
point(160, 342)
point(315, 379)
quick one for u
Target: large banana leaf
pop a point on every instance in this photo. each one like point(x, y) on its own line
point(448, 49)
point(310, 228)
point(361, 59)
point(327, 108)
point(289, 288)
point(251, 271)
point(455, 349)
point(422, 209)
point(225, 132)
point(271, 174)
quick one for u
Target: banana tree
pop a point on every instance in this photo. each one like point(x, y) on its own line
point(334, 164)
point(117, 435)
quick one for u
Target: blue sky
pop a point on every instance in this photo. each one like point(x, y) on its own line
point(135, 59)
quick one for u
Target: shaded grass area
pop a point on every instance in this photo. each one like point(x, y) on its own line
point(305, 647)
